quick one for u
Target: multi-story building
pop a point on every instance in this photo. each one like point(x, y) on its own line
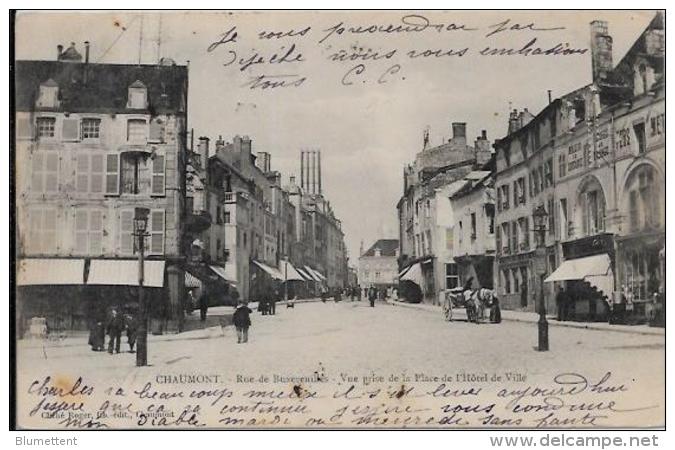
point(474, 232)
point(595, 159)
point(93, 142)
point(425, 212)
point(378, 266)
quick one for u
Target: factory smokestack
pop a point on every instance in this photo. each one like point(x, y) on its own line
point(319, 168)
point(302, 170)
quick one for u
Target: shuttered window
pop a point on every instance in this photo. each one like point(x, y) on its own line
point(137, 131)
point(45, 172)
point(88, 232)
point(158, 177)
point(157, 227)
point(126, 231)
point(156, 131)
point(70, 130)
point(42, 231)
point(24, 128)
point(89, 173)
point(112, 174)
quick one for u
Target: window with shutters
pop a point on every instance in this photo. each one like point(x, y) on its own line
point(156, 131)
point(45, 127)
point(45, 172)
point(24, 128)
point(157, 227)
point(137, 131)
point(91, 129)
point(126, 232)
point(112, 174)
point(135, 173)
point(70, 130)
point(42, 231)
point(88, 232)
point(158, 175)
point(89, 173)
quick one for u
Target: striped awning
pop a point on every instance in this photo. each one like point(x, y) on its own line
point(34, 272)
point(289, 272)
point(314, 274)
point(271, 271)
point(222, 273)
point(192, 281)
point(124, 272)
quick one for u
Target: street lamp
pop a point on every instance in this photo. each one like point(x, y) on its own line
point(539, 217)
point(140, 227)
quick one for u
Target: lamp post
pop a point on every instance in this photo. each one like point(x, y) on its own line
point(539, 217)
point(140, 227)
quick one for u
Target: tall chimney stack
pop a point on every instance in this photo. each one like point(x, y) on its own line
point(59, 51)
point(319, 172)
point(313, 172)
point(203, 149)
point(86, 52)
point(601, 50)
point(302, 170)
point(459, 133)
point(307, 163)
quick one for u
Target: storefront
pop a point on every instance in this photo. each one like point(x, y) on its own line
point(587, 276)
point(641, 264)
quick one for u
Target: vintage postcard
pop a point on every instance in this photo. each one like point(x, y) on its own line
point(339, 219)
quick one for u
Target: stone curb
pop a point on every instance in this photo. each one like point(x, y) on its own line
point(507, 316)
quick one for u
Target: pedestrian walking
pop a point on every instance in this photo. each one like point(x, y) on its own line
point(132, 330)
point(114, 328)
point(242, 322)
point(97, 336)
point(372, 296)
point(203, 306)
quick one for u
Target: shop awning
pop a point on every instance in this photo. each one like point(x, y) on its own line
point(192, 281)
point(34, 272)
point(120, 272)
point(271, 271)
point(403, 272)
point(313, 273)
point(414, 274)
point(604, 283)
point(580, 268)
point(222, 273)
point(305, 275)
point(289, 272)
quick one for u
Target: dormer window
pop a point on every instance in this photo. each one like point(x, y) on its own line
point(378, 253)
point(138, 96)
point(49, 95)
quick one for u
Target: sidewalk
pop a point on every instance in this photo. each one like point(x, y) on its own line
point(532, 317)
point(194, 329)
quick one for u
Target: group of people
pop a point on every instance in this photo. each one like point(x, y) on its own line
point(115, 323)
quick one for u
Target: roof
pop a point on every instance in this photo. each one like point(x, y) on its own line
point(388, 247)
point(86, 87)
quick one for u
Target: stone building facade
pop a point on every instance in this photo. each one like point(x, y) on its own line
point(94, 141)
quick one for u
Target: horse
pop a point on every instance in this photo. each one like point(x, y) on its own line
point(477, 300)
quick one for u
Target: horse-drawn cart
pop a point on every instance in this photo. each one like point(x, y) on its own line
point(474, 301)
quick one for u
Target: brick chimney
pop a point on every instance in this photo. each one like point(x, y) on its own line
point(459, 133)
point(601, 50)
point(203, 151)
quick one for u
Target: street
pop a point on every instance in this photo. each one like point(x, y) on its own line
point(352, 338)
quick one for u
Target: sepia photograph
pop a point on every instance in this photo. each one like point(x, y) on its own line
point(338, 220)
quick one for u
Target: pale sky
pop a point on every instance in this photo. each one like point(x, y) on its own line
point(366, 131)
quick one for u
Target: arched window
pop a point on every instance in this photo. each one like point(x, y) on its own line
point(591, 208)
point(645, 204)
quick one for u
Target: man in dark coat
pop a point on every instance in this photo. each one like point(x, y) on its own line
point(242, 322)
point(203, 305)
point(372, 296)
point(114, 327)
point(132, 328)
point(562, 302)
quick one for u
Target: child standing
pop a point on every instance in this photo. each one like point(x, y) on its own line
point(242, 321)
